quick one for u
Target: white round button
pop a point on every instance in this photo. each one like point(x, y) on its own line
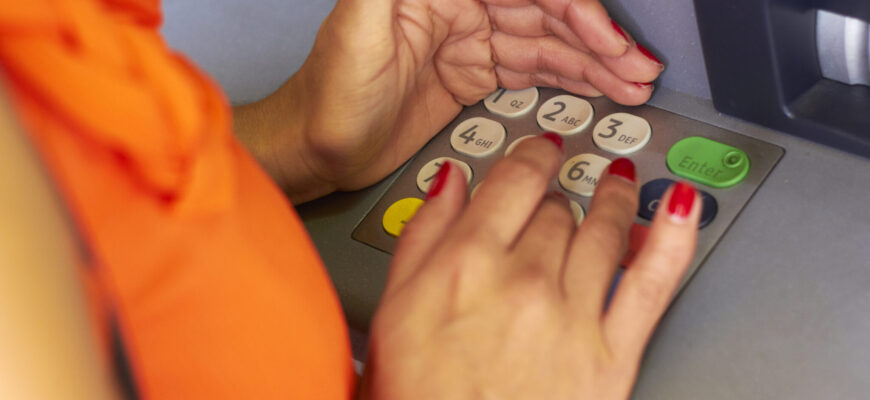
point(477, 137)
point(580, 174)
point(511, 103)
point(565, 115)
point(578, 212)
point(621, 133)
point(514, 144)
point(428, 172)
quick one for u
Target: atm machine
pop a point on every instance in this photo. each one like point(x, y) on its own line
point(779, 306)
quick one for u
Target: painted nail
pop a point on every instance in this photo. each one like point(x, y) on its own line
point(650, 55)
point(682, 200)
point(555, 138)
point(439, 180)
point(643, 85)
point(619, 30)
point(622, 167)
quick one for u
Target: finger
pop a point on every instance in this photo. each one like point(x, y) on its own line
point(531, 21)
point(509, 196)
point(544, 241)
point(444, 203)
point(586, 18)
point(520, 80)
point(635, 65)
point(602, 239)
point(649, 283)
point(549, 54)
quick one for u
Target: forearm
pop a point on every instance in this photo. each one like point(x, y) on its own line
point(273, 130)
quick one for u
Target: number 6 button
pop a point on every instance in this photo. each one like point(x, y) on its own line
point(565, 115)
point(477, 137)
point(621, 133)
point(581, 173)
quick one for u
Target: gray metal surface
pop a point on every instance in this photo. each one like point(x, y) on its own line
point(843, 44)
point(668, 128)
point(781, 307)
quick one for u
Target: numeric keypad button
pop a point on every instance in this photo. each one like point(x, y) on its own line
point(478, 137)
point(581, 173)
point(428, 172)
point(577, 211)
point(511, 103)
point(399, 213)
point(565, 115)
point(621, 133)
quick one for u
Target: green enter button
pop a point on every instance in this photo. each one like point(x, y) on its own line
point(708, 162)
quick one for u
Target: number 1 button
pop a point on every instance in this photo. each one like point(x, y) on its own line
point(565, 115)
point(477, 137)
point(511, 103)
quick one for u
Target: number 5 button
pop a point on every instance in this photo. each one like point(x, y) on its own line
point(477, 137)
point(621, 133)
point(565, 115)
point(581, 173)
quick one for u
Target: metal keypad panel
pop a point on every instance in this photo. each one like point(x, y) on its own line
point(656, 132)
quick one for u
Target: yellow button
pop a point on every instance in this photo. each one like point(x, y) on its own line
point(399, 214)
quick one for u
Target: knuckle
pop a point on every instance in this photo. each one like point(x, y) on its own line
point(652, 292)
point(532, 289)
point(518, 168)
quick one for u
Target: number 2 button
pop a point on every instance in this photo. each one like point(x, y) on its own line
point(477, 137)
point(565, 115)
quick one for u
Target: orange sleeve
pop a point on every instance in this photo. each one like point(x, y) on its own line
point(219, 291)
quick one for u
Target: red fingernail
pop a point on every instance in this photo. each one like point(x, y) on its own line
point(642, 85)
point(439, 180)
point(619, 30)
point(649, 54)
point(622, 167)
point(682, 200)
point(555, 138)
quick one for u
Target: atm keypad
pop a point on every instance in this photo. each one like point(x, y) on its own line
point(725, 166)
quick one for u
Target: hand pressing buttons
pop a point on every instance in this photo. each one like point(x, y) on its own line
point(652, 191)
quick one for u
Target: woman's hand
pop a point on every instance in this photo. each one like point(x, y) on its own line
point(386, 75)
point(504, 298)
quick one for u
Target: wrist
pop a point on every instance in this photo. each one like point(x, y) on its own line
point(274, 132)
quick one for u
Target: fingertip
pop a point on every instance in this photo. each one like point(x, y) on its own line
point(683, 204)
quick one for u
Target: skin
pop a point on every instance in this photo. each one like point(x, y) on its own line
point(502, 297)
point(385, 75)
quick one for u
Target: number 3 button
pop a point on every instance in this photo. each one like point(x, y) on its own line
point(477, 137)
point(581, 173)
point(621, 133)
point(565, 115)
